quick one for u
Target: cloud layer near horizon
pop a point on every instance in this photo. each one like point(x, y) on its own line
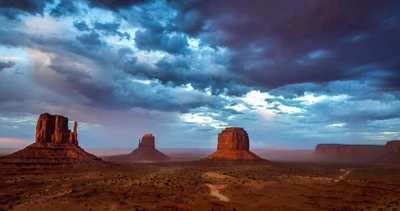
point(293, 74)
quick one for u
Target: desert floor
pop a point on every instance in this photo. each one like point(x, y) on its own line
point(203, 186)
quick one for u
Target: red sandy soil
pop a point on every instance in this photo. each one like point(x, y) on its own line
point(199, 186)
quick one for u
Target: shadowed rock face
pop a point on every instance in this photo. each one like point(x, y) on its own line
point(347, 149)
point(348, 153)
point(392, 153)
point(233, 144)
point(148, 140)
point(392, 146)
point(54, 129)
point(146, 151)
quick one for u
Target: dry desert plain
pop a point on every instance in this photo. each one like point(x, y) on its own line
point(201, 185)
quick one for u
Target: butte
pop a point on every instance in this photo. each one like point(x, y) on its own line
point(55, 145)
point(233, 144)
point(146, 151)
point(392, 154)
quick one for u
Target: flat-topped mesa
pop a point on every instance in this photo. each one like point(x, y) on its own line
point(392, 146)
point(347, 150)
point(233, 138)
point(348, 153)
point(148, 140)
point(54, 129)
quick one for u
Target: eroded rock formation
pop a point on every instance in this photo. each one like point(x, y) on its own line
point(348, 152)
point(392, 154)
point(233, 138)
point(392, 146)
point(233, 144)
point(146, 151)
point(54, 129)
point(148, 140)
point(54, 145)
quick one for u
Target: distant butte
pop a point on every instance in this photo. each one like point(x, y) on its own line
point(55, 145)
point(146, 151)
point(233, 144)
point(392, 153)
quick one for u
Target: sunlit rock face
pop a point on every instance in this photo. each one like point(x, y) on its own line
point(54, 129)
point(233, 144)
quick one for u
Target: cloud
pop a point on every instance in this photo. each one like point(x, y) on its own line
point(116, 5)
point(92, 39)
point(111, 29)
point(64, 8)
point(13, 9)
point(81, 26)
point(305, 43)
point(5, 65)
point(14, 142)
point(150, 40)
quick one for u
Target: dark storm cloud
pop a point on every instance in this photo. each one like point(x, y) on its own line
point(111, 91)
point(81, 25)
point(71, 72)
point(179, 71)
point(111, 29)
point(115, 5)
point(12, 9)
point(64, 8)
point(189, 18)
point(151, 40)
point(5, 65)
point(92, 39)
point(277, 43)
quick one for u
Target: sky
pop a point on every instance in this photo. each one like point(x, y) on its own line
point(292, 73)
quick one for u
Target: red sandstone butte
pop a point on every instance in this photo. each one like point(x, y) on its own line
point(146, 151)
point(392, 153)
point(233, 144)
point(392, 146)
point(54, 129)
point(55, 145)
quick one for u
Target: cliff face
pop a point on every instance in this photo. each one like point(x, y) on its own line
point(148, 140)
point(344, 152)
point(392, 154)
point(233, 138)
point(233, 144)
point(344, 149)
point(54, 129)
point(392, 146)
